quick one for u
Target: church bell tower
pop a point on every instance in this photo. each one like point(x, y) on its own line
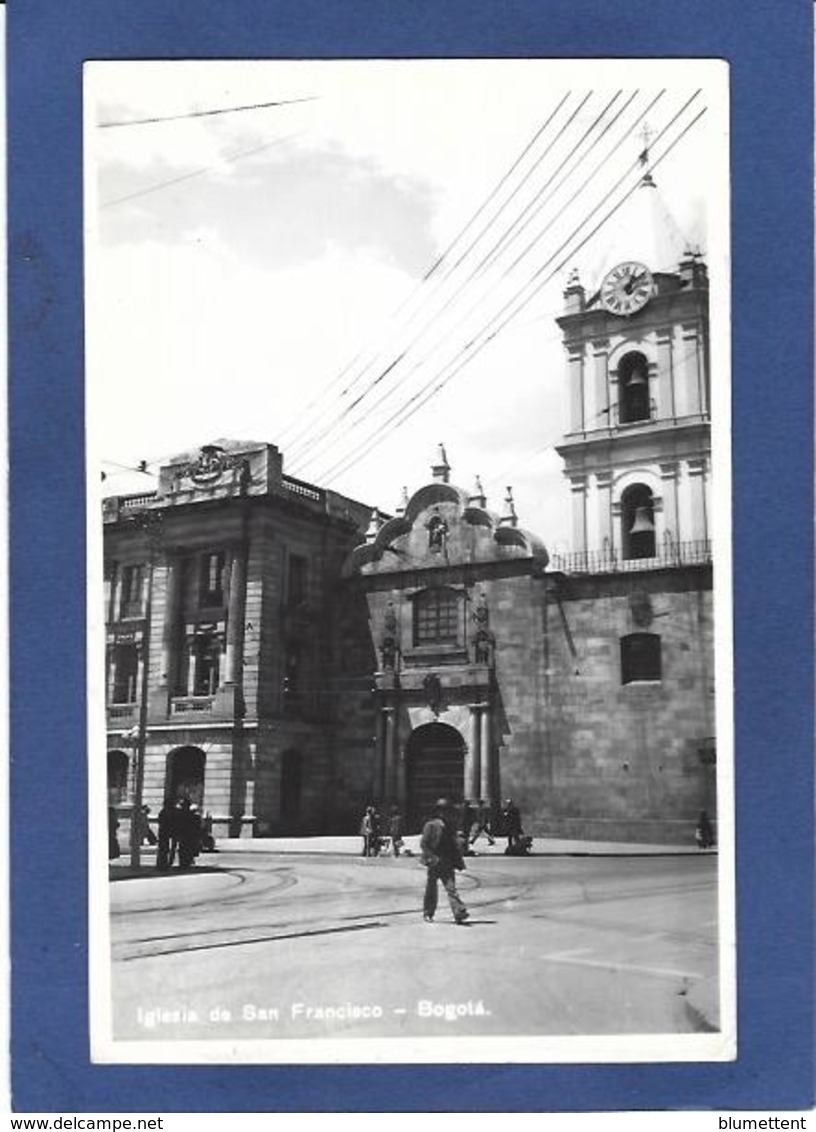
point(638, 450)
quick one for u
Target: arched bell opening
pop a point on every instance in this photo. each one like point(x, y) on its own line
point(637, 522)
point(633, 388)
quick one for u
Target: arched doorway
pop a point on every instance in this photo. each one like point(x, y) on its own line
point(185, 774)
point(118, 763)
point(435, 765)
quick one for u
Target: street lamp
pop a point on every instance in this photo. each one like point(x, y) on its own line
point(151, 523)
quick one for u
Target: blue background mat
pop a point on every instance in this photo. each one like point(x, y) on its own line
point(769, 48)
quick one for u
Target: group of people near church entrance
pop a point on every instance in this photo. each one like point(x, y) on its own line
point(472, 820)
point(379, 835)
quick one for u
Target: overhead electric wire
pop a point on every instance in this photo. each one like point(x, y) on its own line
point(430, 271)
point(538, 205)
point(500, 478)
point(309, 437)
point(226, 159)
point(205, 113)
point(296, 448)
point(498, 245)
point(429, 390)
point(427, 393)
point(337, 420)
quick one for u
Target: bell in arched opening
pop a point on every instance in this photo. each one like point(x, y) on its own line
point(642, 524)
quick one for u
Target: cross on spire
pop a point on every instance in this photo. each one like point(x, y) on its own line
point(647, 133)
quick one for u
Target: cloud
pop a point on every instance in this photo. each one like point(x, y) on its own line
point(274, 208)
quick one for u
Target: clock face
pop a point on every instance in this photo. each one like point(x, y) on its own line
point(627, 288)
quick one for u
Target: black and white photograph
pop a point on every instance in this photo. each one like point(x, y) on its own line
point(409, 578)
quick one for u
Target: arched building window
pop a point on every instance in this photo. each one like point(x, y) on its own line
point(633, 388)
point(186, 774)
point(637, 522)
point(640, 657)
point(118, 763)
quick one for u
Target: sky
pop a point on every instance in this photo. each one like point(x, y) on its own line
point(392, 240)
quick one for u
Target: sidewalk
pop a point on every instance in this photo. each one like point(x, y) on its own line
point(542, 847)
point(350, 847)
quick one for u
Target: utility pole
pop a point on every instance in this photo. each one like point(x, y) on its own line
point(151, 523)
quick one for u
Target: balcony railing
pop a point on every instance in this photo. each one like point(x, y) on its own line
point(184, 704)
point(121, 713)
point(695, 553)
point(305, 490)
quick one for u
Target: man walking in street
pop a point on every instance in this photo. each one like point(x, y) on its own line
point(442, 856)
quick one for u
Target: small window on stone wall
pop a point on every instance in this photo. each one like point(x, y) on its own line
point(640, 657)
point(436, 617)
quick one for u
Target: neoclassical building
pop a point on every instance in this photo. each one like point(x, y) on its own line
point(286, 655)
point(219, 598)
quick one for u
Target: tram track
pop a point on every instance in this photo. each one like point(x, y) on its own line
point(174, 943)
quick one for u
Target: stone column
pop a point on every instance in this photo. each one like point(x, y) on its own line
point(606, 541)
point(663, 387)
point(575, 380)
point(110, 672)
point(671, 516)
point(487, 776)
point(692, 369)
point(402, 791)
point(390, 776)
point(109, 589)
point(140, 668)
point(112, 612)
point(235, 614)
point(169, 636)
point(379, 756)
point(191, 665)
point(600, 385)
point(578, 485)
point(697, 469)
point(473, 756)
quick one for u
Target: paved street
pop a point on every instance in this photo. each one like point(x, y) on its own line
point(259, 945)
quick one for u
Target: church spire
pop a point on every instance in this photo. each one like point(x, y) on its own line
point(440, 469)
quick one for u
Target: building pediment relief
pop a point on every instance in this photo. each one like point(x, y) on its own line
point(441, 527)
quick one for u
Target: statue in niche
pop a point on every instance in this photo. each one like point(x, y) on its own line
point(389, 653)
point(482, 637)
point(433, 691)
point(437, 531)
point(389, 639)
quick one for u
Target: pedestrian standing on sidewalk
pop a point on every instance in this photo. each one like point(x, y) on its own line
point(468, 818)
point(442, 856)
point(189, 834)
point(144, 832)
point(705, 831)
point(168, 827)
point(113, 841)
point(512, 825)
point(367, 830)
point(482, 823)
